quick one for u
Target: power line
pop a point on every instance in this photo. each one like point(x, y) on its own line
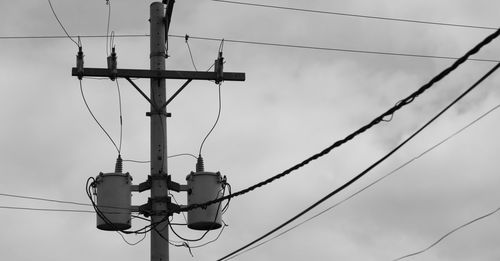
point(62, 26)
point(355, 15)
point(216, 120)
point(350, 182)
point(374, 182)
point(47, 209)
point(331, 49)
point(95, 119)
point(44, 199)
point(361, 130)
point(447, 234)
point(261, 43)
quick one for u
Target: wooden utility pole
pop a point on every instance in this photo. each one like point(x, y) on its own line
point(158, 117)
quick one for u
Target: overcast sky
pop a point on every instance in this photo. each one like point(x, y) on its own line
point(294, 103)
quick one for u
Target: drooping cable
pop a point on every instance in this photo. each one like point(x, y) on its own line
point(361, 130)
point(215, 123)
point(62, 26)
point(355, 15)
point(372, 183)
point(347, 184)
point(190, 53)
point(447, 234)
point(171, 156)
point(121, 116)
point(95, 119)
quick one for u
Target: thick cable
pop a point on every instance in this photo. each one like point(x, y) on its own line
point(361, 130)
point(374, 182)
point(347, 184)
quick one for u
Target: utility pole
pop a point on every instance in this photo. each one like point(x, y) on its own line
point(111, 187)
point(158, 118)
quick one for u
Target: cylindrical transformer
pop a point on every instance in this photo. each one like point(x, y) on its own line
point(114, 198)
point(204, 186)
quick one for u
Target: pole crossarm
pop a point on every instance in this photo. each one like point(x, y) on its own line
point(158, 74)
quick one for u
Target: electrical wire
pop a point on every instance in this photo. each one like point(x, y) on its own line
point(78, 44)
point(331, 49)
point(190, 53)
point(47, 209)
point(270, 44)
point(171, 156)
point(215, 123)
point(447, 234)
point(95, 119)
point(221, 48)
point(44, 199)
point(361, 130)
point(355, 15)
point(374, 182)
point(121, 115)
point(108, 3)
point(350, 182)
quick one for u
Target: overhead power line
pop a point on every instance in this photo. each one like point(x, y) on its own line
point(44, 199)
point(361, 130)
point(47, 209)
point(350, 182)
point(374, 182)
point(447, 234)
point(355, 15)
point(261, 43)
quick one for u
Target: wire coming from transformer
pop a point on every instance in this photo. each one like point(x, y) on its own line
point(97, 121)
point(216, 120)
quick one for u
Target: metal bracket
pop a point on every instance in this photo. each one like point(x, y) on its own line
point(146, 185)
point(176, 186)
point(166, 114)
point(146, 209)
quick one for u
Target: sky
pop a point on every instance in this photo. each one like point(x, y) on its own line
point(293, 104)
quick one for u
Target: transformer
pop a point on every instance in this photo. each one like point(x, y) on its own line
point(204, 186)
point(114, 198)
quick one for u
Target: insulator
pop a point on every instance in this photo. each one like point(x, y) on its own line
point(79, 63)
point(119, 165)
point(219, 69)
point(112, 64)
point(200, 165)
